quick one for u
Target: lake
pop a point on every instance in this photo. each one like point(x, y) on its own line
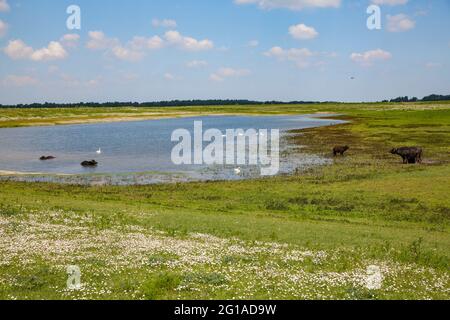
point(139, 149)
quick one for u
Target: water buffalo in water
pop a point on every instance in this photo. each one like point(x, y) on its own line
point(340, 150)
point(45, 158)
point(91, 163)
point(410, 155)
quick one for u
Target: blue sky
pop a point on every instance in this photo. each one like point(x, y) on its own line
point(141, 50)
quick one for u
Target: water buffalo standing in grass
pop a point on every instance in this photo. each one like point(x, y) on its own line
point(91, 163)
point(410, 155)
point(340, 150)
point(45, 158)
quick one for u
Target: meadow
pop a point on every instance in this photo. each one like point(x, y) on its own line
point(310, 235)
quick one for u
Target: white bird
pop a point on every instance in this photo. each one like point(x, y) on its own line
point(237, 171)
point(99, 151)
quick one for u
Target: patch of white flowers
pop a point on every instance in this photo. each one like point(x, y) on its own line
point(248, 269)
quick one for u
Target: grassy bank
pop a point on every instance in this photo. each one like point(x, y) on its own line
point(306, 236)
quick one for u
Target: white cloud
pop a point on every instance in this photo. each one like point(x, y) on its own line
point(166, 23)
point(127, 54)
point(171, 77)
point(69, 81)
point(389, 2)
point(253, 43)
point(3, 28)
point(17, 50)
point(70, 40)
point(4, 6)
point(302, 32)
point(292, 4)
point(421, 13)
point(72, 82)
point(368, 58)
point(301, 57)
point(215, 77)
point(399, 23)
point(19, 81)
point(93, 82)
point(223, 73)
point(70, 37)
point(53, 69)
point(54, 51)
point(223, 49)
point(230, 72)
point(136, 49)
point(153, 43)
point(187, 43)
point(99, 41)
point(432, 65)
point(196, 64)
point(129, 76)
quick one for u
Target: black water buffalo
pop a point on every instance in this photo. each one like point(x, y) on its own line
point(91, 163)
point(409, 155)
point(340, 150)
point(45, 158)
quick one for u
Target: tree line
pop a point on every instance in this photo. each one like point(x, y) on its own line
point(171, 103)
point(188, 103)
point(432, 97)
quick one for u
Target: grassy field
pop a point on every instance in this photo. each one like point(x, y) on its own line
point(305, 236)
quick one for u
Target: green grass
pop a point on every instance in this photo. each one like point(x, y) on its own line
point(305, 236)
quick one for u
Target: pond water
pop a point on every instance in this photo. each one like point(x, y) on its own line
point(132, 150)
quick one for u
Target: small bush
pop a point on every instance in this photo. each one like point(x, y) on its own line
point(416, 253)
point(276, 205)
point(346, 207)
point(35, 281)
point(401, 201)
point(300, 201)
point(213, 278)
point(415, 249)
point(9, 211)
point(234, 259)
point(161, 258)
point(361, 293)
point(160, 285)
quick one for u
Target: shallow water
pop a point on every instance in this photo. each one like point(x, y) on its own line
point(133, 152)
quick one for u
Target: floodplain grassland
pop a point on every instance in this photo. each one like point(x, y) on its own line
point(309, 235)
point(20, 117)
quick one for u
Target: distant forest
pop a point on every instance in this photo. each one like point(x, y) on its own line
point(432, 97)
point(187, 103)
